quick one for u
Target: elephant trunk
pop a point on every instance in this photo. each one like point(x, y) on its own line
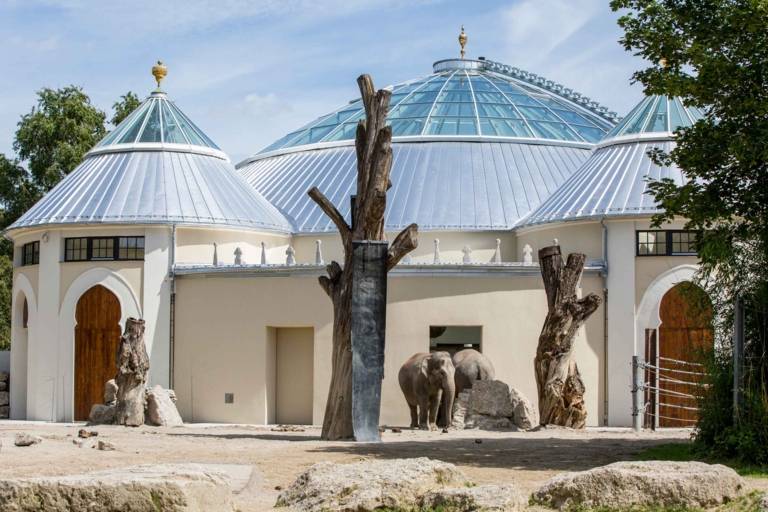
point(449, 390)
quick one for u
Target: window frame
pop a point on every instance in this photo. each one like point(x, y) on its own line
point(668, 235)
point(115, 252)
point(35, 245)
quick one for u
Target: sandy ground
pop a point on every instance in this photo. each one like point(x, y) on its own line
point(261, 460)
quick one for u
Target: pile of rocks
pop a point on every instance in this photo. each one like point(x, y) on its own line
point(493, 405)
point(159, 407)
point(5, 398)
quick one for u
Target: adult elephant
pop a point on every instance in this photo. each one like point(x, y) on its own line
point(427, 381)
point(470, 366)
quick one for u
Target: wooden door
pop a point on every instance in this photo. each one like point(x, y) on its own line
point(97, 337)
point(685, 334)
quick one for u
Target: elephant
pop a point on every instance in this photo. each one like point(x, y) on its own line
point(471, 365)
point(427, 381)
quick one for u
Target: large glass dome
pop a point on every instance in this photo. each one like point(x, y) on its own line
point(471, 98)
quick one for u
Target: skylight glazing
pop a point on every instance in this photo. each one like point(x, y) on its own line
point(657, 114)
point(463, 103)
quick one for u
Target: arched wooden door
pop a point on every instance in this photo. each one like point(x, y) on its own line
point(97, 337)
point(685, 334)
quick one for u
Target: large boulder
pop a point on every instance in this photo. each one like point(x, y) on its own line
point(110, 392)
point(483, 498)
point(526, 415)
point(490, 398)
point(369, 485)
point(493, 405)
point(168, 487)
point(102, 414)
point(625, 485)
point(160, 409)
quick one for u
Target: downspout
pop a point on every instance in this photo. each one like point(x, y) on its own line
point(172, 316)
point(605, 320)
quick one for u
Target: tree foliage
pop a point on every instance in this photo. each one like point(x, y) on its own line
point(123, 107)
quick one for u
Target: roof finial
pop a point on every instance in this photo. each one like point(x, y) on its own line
point(462, 40)
point(159, 71)
point(663, 62)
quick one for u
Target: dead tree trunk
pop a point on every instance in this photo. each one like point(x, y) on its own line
point(374, 162)
point(561, 390)
point(131, 378)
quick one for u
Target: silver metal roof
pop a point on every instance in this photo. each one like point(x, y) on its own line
point(613, 182)
point(150, 187)
point(456, 185)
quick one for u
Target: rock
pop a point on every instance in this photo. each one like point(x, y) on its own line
point(5, 398)
point(161, 411)
point(489, 422)
point(24, 439)
point(460, 405)
point(3, 386)
point(483, 498)
point(490, 398)
point(105, 446)
point(368, 485)
point(172, 487)
point(5, 412)
point(658, 484)
point(110, 392)
point(85, 434)
point(526, 415)
point(4, 377)
point(171, 395)
point(102, 415)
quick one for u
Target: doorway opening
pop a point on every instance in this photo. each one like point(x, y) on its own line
point(293, 374)
point(97, 338)
point(453, 338)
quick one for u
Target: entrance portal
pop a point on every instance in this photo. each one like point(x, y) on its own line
point(294, 375)
point(97, 337)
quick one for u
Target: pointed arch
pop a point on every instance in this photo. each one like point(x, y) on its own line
point(23, 341)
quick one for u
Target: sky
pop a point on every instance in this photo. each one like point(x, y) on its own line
point(249, 71)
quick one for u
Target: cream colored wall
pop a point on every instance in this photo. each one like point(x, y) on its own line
point(648, 268)
point(131, 271)
point(583, 237)
point(223, 337)
point(195, 245)
point(30, 272)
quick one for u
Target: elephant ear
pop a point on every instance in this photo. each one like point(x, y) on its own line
point(424, 368)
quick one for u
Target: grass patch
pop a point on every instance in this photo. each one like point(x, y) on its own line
point(683, 452)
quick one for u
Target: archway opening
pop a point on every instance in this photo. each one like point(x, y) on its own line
point(97, 337)
point(19, 356)
point(678, 348)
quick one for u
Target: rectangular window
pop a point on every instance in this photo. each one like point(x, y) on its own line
point(76, 249)
point(666, 243)
point(30, 253)
point(131, 248)
point(102, 248)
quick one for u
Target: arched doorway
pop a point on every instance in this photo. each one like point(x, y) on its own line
point(97, 337)
point(677, 347)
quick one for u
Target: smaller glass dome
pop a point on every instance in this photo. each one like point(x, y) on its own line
point(656, 114)
point(157, 120)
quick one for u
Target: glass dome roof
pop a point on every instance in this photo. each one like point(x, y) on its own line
point(468, 98)
point(656, 114)
point(157, 120)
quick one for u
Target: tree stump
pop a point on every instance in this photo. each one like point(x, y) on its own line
point(131, 378)
point(373, 144)
point(561, 390)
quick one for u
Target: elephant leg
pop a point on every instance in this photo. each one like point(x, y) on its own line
point(434, 406)
point(414, 416)
point(423, 409)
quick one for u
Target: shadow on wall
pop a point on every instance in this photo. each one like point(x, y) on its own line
point(5, 361)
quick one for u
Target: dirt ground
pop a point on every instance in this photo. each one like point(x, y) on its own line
point(261, 460)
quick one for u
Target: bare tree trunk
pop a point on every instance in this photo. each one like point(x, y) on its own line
point(561, 390)
point(374, 163)
point(131, 378)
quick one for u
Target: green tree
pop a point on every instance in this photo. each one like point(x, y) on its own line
point(714, 55)
point(123, 107)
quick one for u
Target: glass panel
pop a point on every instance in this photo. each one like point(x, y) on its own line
point(347, 131)
point(103, 248)
point(636, 125)
point(173, 132)
point(76, 249)
point(589, 133)
point(572, 117)
point(454, 109)
point(451, 126)
point(538, 114)
point(411, 110)
point(490, 97)
point(546, 130)
point(190, 129)
point(152, 129)
point(511, 128)
point(405, 127)
point(651, 243)
point(455, 96)
point(658, 120)
point(678, 118)
point(496, 110)
point(132, 122)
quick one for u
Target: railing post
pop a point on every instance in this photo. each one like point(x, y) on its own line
point(637, 394)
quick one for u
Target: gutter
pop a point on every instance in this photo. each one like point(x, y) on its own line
point(172, 315)
point(604, 273)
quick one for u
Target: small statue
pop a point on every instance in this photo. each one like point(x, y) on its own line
point(527, 255)
point(555, 241)
point(238, 256)
point(467, 250)
point(290, 256)
point(318, 252)
point(263, 253)
point(497, 253)
point(436, 260)
point(215, 255)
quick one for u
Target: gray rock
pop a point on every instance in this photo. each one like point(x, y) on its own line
point(5, 398)
point(368, 485)
point(526, 415)
point(105, 446)
point(4, 377)
point(3, 386)
point(483, 422)
point(161, 410)
point(101, 415)
point(460, 406)
point(24, 439)
point(110, 392)
point(5, 412)
point(483, 498)
point(659, 484)
point(491, 398)
point(171, 487)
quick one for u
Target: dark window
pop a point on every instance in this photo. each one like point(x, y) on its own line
point(104, 248)
point(666, 243)
point(30, 253)
point(76, 249)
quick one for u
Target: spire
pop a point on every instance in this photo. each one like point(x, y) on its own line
point(462, 40)
point(159, 71)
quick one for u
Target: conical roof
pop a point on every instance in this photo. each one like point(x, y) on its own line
point(613, 182)
point(156, 167)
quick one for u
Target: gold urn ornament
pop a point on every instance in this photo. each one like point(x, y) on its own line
point(462, 40)
point(159, 71)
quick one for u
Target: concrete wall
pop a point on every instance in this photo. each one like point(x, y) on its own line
point(225, 331)
point(583, 237)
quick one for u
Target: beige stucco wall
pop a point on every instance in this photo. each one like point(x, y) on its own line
point(223, 338)
point(583, 237)
point(195, 245)
point(648, 268)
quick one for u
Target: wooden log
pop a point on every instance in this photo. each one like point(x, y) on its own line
point(560, 388)
point(131, 378)
point(373, 146)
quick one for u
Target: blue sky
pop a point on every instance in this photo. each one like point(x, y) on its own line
point(248, 72)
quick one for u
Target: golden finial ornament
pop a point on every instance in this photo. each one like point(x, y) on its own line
point(462, 40)
point(663, 62)
point(159, 71)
